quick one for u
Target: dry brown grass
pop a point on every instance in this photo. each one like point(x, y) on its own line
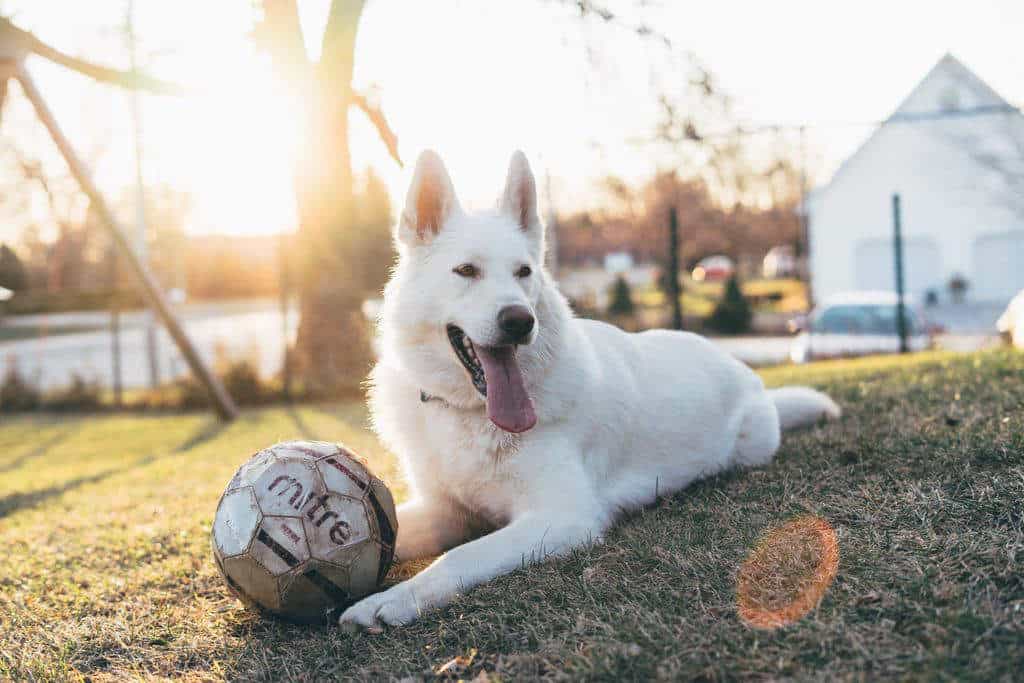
point(107, 573)
point(787, 573)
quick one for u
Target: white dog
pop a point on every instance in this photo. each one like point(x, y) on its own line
point(523, 431)
point(1011, 322)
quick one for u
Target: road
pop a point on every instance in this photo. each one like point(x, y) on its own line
point(247, 329)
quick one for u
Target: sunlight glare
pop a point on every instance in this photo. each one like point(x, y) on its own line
point(244, 141)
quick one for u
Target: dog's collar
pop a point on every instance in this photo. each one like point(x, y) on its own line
point(427, 398)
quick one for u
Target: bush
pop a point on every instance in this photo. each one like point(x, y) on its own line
point(958, 286)
point(29, 302)
point(732, 313)
point(187, 393)
point(243, 382)
point(240, 378)
point(621, 302)
point(12, 271)
point(16, 392)
point(80, 396)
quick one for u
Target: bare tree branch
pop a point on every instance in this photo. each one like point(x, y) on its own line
point(995, 142)
point(377, 118)
point(25, 42)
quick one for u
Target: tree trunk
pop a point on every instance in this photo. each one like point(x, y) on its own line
point(333, 345)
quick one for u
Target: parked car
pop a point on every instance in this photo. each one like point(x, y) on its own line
point(714, 269)
point(780, 262)
point(1011, 322)
point(857, 324)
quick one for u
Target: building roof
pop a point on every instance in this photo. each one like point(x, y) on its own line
point(924, 102)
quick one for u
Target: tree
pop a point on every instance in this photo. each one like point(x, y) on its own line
point(12, 272)
point(638, 225)
point(621, 302)
point(1000, 155)
point(333, 345)
point(743, 171)
point(371, 248)
point(732, 313)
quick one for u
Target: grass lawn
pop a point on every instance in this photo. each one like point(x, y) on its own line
point(106, 571)
point(699, 298)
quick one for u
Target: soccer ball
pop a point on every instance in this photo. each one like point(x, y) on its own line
point(303, 530)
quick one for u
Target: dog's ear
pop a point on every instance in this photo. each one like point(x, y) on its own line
point(520, 197)
point(429, 202)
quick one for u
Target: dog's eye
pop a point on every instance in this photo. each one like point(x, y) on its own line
point(466, 270)
point(524, 271)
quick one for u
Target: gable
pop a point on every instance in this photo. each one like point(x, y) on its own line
point(948, 91)
point(948, 87)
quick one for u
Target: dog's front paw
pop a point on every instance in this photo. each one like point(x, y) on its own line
point(394, 607)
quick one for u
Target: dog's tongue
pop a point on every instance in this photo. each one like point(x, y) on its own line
point(508, 404)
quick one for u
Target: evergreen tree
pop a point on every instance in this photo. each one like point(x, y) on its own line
point(621, 298)
point(732, 313)
point(12, 271)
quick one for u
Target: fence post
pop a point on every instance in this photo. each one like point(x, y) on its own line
point(897, 244)
point(672, 274)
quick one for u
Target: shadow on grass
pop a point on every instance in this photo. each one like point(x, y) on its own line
point(264, 628)
point(20, 501)
point(355, 412)
point(42, 449)
point(301, 425)
point(15, 502)
point(208, 431)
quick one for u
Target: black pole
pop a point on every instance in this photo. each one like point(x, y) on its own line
point(672, 274)
point(897, 248)
point(803, 243)
point(115, 328)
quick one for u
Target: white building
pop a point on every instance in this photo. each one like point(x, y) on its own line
point(954, 151)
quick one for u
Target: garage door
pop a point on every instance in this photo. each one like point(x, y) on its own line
point(998, 266)
point(875, 267)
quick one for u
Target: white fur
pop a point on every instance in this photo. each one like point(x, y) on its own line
point(622, 418)
point(1011, 322)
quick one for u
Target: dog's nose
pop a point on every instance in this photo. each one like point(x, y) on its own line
point(516, 322)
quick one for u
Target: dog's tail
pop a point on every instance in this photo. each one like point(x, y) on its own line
point(802, 407)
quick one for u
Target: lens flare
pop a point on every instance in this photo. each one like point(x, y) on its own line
point(787, 574)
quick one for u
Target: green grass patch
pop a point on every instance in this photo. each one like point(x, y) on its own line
point(107, 573)
point(699, 298)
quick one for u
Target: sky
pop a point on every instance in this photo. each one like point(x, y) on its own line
point(476, 79)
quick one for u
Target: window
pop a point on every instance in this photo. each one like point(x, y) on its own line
point(949, 100)
point(863, 319)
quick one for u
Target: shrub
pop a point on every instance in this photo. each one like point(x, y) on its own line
point(80, 396)
point(621, 302)
point(189, 394)
point(16, 392)
point(28, 301)
point(243, 382)
point(240, 378)
point(958, 286)
point(12, 271)
point(732, 313)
